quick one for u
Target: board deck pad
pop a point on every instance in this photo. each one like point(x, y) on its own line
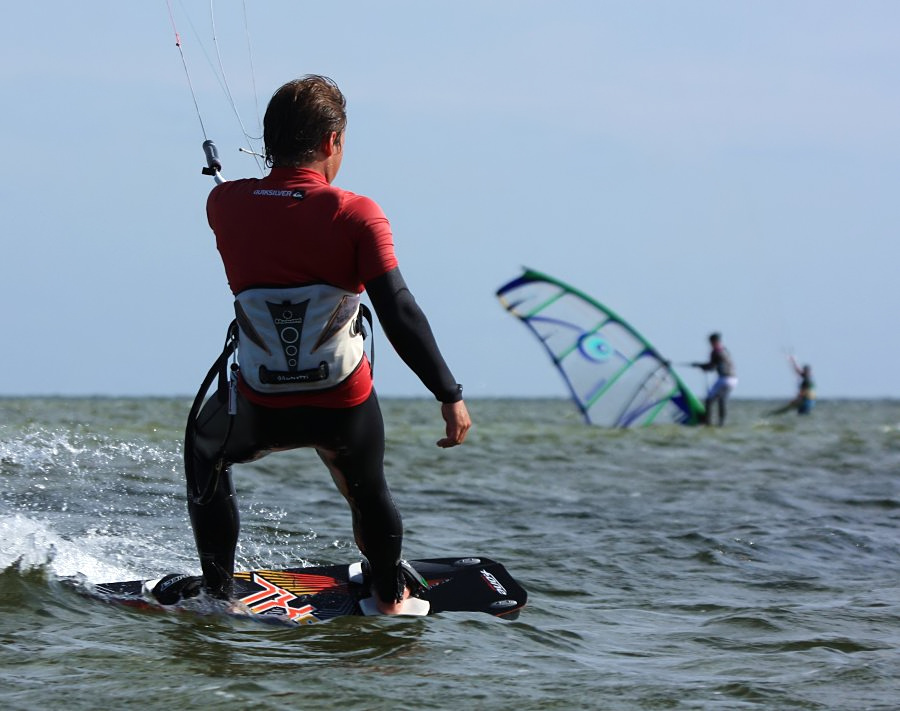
point(317, 594)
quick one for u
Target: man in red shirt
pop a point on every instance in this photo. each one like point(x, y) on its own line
point(298, 252)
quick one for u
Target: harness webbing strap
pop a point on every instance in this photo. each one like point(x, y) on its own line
point(218, 370)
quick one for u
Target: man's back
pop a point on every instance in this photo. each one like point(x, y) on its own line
point(292, 227)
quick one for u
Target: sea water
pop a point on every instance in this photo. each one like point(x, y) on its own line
point(752, 566)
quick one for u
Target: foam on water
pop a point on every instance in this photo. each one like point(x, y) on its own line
point(28, 543)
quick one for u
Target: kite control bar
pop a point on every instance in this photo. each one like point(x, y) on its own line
point(213, 164)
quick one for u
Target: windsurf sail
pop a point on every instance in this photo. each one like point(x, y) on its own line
point(615, 377)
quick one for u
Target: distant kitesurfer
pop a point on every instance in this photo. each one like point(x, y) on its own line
point(298, 252)
point(806, 392)
point(726, 380)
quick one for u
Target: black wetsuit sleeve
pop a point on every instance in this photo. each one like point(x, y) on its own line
point(408, 330)
point(711, 364)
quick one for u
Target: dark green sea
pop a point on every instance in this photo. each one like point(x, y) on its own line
point(755, 566)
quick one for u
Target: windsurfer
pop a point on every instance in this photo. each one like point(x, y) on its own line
point(720, 361)
point(297, 253)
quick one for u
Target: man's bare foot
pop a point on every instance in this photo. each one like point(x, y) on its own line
point(389, 608)
point(410, 606)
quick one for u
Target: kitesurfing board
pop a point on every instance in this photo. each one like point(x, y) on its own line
point(317, 594)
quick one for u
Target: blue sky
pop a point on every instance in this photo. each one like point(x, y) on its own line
point(696, 166)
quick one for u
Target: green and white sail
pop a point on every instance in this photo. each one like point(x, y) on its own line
point(615, 377)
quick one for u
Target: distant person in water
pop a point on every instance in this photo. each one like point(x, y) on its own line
point(806, 393)
point(726, 380)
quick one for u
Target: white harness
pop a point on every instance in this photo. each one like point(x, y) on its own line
point(299, 338)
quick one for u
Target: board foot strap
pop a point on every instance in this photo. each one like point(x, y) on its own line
point(172, 588)
point(410, 607)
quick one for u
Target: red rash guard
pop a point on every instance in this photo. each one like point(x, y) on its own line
point(292, 228)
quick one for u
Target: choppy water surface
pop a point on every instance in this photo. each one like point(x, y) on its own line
point(756, 566)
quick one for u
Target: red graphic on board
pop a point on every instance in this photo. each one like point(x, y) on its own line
point(274, 599)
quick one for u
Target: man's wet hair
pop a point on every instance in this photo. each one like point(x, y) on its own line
point(300, 115)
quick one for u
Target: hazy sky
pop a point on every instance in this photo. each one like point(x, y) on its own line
point(696, 166)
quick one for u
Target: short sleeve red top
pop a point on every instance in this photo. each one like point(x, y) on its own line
point(293, 228)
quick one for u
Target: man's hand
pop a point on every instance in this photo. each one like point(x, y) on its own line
point(458, 422)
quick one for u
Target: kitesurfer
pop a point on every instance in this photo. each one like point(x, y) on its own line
point(806, 393)
point(720, 361)
point(298, 252)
